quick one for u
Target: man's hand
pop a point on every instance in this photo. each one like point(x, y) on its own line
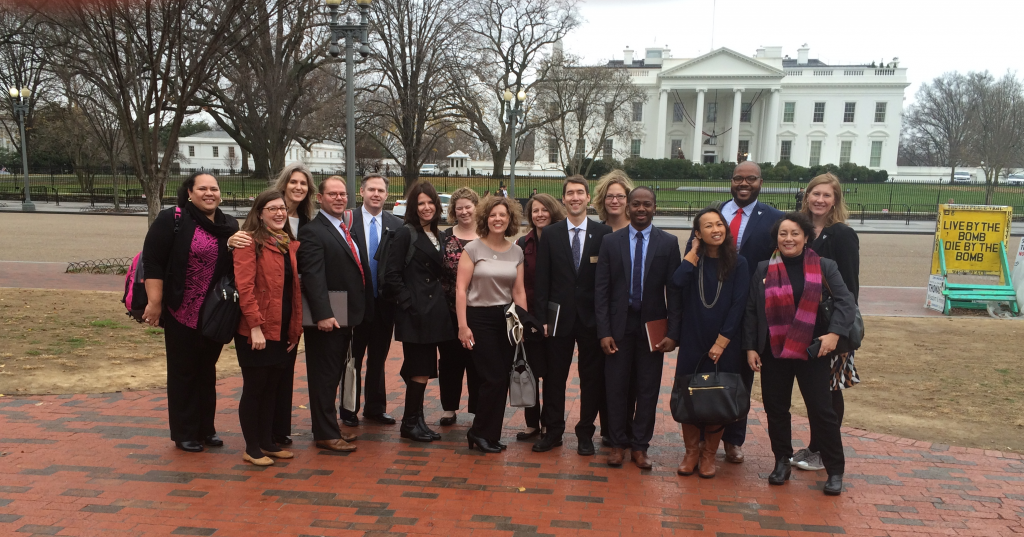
point(327, 325)
point(666, 345)
point(608, 345)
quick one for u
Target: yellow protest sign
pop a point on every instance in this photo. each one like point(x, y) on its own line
point(971, 235)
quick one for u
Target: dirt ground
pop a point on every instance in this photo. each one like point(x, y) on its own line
point(80, 342)
point(947, 380)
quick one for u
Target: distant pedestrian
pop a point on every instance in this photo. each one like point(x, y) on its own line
point(799, 198)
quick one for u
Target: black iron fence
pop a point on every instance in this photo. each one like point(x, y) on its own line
point(898, 200)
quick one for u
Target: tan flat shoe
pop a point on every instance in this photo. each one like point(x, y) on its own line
point(279, 454)
point(262, 461)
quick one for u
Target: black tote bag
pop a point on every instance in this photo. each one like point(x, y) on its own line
point(709, 399)
point(221, 311)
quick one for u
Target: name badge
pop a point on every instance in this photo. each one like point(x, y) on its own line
point(593, 259)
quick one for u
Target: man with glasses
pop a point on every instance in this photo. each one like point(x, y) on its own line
point(329, 260)
point(750, 223)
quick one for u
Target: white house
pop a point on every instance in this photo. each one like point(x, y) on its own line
point(217, 150)
point(727, 106)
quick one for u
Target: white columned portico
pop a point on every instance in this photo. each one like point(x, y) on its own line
point(660, 150)
point(698, 128)
point(771, 131)
point(734, 138)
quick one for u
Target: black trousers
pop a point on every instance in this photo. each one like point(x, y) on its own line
point(633, 381)
point(456, 360)
point(191, 381)
point(372, 338)
point(736, 433)
point(777, 392)
point(283, 398)
point(325, 364)
point(590, 366)
point(258, 404)
point(492, 358)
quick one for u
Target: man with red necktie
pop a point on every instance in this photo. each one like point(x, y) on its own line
point(329, 260)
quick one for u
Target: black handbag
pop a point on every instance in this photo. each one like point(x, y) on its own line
point(825, 310)
point(709, 399)
point(221, 311)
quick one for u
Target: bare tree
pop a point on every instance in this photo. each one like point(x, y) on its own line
point(997, 140)
point(506, 52)
point(409, 108)
point(942, 117)
point(150, 58)
point(23, 64)
point(917, 149)
point(589, 107)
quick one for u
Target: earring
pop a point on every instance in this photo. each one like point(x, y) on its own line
point(190, 198)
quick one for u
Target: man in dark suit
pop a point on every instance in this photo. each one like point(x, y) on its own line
point(751, 224)
point(329, 260)
point(566, 258)
point(371, 226)
point(634, 271)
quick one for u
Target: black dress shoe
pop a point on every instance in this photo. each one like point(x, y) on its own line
point(214, 441)
point(547, 443)
point(501, 446)
point(606, 442)
point(383, 418)
point(523, 435)
point(282, 440)
point(448, 420)
point(482, 445)
point(350, 421)
point(411, 430)
point(190, 446)
point(834, 485)
point(423, 427)
point(781, 473)
point(585, 447)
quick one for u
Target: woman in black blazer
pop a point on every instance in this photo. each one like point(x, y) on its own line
point(422, 322)
point(834, 240)
point(780, 330)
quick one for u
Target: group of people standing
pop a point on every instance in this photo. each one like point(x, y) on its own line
point(742, 296)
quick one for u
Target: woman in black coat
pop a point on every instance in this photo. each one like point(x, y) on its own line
point(782, 328)
point(184, 256)
point(422, 322)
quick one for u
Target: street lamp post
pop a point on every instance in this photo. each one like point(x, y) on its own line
point(20, 105)
point(351, 32)
point(516, 116)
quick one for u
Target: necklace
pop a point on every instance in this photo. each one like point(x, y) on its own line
point(700, 279)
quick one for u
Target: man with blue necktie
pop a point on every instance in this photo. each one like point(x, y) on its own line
point(371, 226)
point(634, 272)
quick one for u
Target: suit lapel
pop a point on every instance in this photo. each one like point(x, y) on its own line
point(423, 244)
point(652, 249)
point(753, 221)
point(357, 228)
point(627, 263)
point(336, 233)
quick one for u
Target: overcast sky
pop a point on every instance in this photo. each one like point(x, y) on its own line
point(928, 36)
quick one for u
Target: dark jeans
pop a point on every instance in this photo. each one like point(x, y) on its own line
point(492, 358)
point(372, 338)
point(191, 381)
point(257, 406)
point(283, 399)
point(590, 366)
point(633, 380)
point(325, 363)
point(777, 392)
point(454, 361)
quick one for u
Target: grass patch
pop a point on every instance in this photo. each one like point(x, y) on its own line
point(105, 323)
point(154, 331)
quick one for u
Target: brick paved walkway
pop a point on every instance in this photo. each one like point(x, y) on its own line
point(103, 465)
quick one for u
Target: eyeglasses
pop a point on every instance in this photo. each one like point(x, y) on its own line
point(615, 197)
point(748, 179)
point(280, 209)
point(335, 195)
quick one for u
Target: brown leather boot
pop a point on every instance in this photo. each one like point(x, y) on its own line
point(691, 439)
point(707, 455)
point(615, 458)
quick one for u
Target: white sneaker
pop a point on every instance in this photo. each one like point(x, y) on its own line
point(799, 456)
point(812, 462)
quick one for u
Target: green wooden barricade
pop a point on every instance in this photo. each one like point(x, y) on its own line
point(974, 296)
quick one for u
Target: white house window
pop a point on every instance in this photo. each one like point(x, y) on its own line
point(191, 150)
point(552, 151)
point(677, 112)
point(849, 112)
point(231, 151)
point(712, 112)
point(880, 112)
point(608, 147)
point(677, 149)
point(216, 151)
point(815, 159)
point(845, 148)
point(745, 112)
point(609, 111)
point(876, 153)
point(638, 111)
point(819, 113)
point(788, 112)
point(581, 149)
point(744, 151)
point(634, 149)
point(786, 152)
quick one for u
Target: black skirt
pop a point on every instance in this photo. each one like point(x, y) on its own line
point(275, 353)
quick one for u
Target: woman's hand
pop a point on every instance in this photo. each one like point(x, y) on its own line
point(754, 360)
point(828, 344)
point(151, 315)
point(258, 341)
point(240, 239)
point(466, 337)
point(292, 346)
point(716, 352)
point(691, 256)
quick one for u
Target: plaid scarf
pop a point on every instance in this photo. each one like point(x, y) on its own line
point(278, 238)
point(792, 329)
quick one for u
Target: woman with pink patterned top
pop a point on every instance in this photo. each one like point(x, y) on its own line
point(185, 254)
